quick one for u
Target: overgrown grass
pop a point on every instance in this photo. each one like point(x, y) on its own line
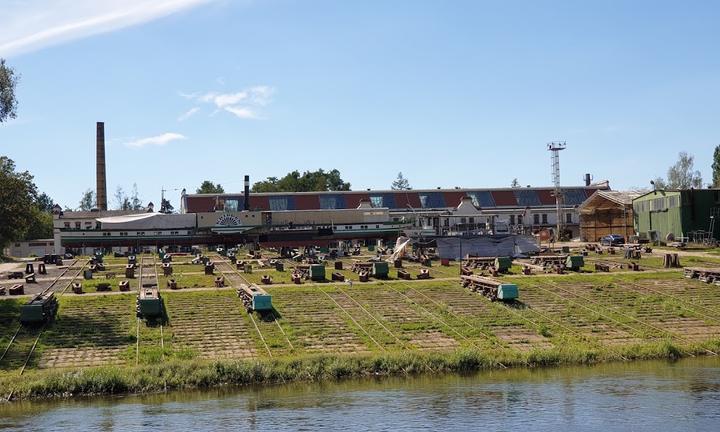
point(179, 374)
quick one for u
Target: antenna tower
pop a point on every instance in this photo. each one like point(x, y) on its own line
point(554, 148)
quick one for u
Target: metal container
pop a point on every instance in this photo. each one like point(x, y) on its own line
point(317, 272)
point(380, 269)
point(507, 292)
point(149, 304)
point(574, 262)
point(39, 309)
point(262, 302)
point(503, 264)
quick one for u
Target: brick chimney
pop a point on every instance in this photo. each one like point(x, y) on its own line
point(101, 187)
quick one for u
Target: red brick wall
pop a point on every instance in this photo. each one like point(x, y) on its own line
point(307, 202)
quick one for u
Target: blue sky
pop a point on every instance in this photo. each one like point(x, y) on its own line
point(451, 93)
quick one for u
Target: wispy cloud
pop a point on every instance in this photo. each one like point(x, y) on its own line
point(34, 24)
point(244, 104)
point(159, 140)
point(187, 114)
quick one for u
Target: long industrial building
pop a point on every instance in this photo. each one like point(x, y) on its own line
point(437, 211)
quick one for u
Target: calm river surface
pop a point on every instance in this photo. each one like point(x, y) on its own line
point(642, 396)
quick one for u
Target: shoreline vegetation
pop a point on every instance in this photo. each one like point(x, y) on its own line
point(203, 374)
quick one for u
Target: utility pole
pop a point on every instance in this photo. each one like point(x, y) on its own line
point(554, 148)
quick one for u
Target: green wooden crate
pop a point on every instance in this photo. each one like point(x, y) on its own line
point(507, 292)
point(503, 264)
point(574, 262)
point(317, 272)
point(380, 269)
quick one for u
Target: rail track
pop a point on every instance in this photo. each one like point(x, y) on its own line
point(23, 331)
point(236, 278)
point(143, 278)
point(21, 327)
point(584, 302)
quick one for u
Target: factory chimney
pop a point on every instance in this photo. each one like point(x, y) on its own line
point(247, 192)
point(588, 179)
point(101, 190)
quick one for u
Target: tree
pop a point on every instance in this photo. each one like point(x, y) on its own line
point(309, 181)
point(659, 183)
point(44, 202)
point(166, 207)
point(515, 183)
point(8, 101)
point(18, 196)
point(716, 167)
point(208, 187)
point(88, 201)
point(122, 202)
point(681, 175)
point(135, 201)
point(40, 225)
point(400, 183)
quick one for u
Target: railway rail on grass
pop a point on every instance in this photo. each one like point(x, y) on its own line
point(44, 324)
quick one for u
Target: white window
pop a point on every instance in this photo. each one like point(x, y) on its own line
point(278, 203)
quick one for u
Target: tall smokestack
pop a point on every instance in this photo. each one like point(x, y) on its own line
point(101, 190)
point(247, 192)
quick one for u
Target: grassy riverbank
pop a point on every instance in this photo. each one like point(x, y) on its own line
point(193, 374)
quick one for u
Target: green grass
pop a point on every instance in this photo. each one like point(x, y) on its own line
point(188, 280)
point(178, 374)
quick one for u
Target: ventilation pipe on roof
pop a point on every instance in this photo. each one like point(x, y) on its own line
point(247, 192)
point(588, 179)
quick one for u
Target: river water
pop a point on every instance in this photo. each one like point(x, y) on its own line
point(640, 396)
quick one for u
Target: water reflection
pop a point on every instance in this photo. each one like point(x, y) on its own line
point(643, 396)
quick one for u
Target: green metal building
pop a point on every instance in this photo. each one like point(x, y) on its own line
point(691, 214)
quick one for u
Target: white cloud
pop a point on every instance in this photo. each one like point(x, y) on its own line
point(30, 25)
point(243, 104)
point(243, 113)
point(159, 140)
point(187, 114)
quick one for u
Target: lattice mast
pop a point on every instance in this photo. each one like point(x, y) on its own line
point(554, 148)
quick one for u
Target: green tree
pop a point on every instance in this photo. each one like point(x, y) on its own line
point(18, 196)
point(44, 202)
point(309, 181)
point(681, 175)
point(88, 201)
point(400, 183)
point(166, 207)
point(208, 187)
point(8, 101)
point(716, 167)
point(40, 225)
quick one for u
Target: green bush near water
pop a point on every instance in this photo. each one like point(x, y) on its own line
point(189, 374)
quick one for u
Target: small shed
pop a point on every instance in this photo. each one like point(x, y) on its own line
point(605, 213)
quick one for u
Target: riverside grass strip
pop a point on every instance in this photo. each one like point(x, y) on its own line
point(198, 374)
